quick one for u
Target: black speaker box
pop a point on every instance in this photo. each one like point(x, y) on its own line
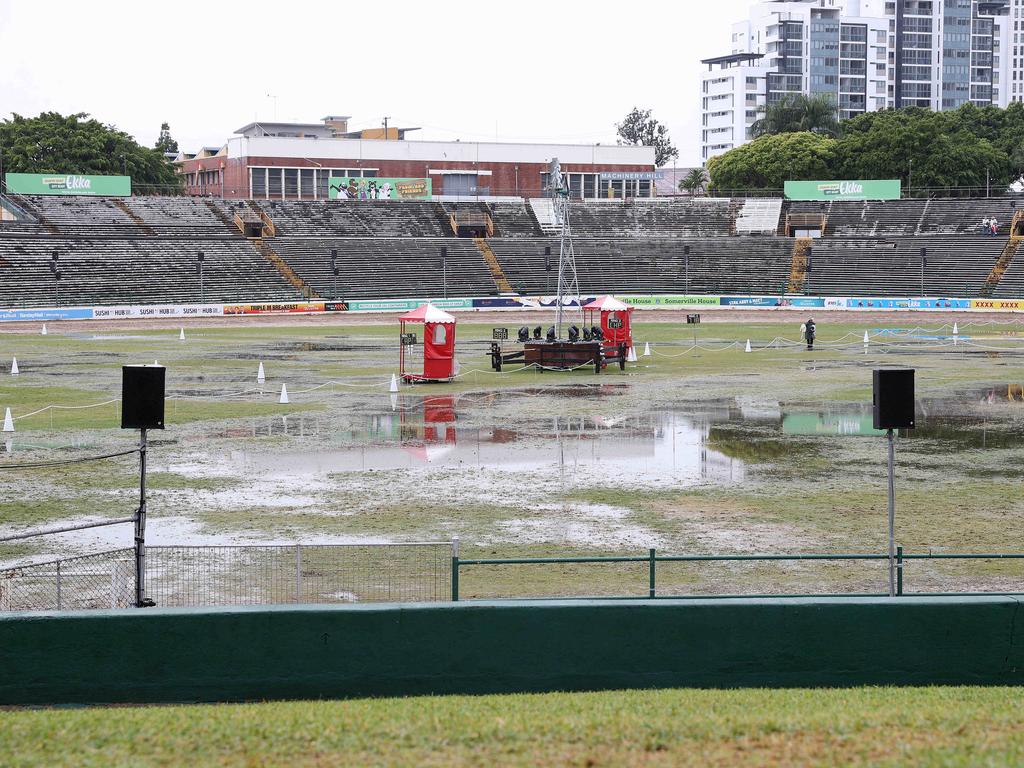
point(893, 398)
point(142, 396)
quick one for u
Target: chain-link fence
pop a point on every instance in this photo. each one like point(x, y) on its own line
point(103, 580)
point(182, 576)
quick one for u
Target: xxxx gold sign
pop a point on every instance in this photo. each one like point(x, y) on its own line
point(996, 304)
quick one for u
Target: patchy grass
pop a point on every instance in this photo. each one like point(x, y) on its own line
point(866, 726)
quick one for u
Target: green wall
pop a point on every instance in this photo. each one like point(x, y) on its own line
point(167, 655)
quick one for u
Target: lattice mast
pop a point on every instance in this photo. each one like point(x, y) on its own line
point(568, 282)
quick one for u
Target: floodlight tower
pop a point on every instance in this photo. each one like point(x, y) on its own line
point(568, 282)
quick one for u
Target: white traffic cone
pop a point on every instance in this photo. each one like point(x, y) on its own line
point(261, 377)
point(956, 331)
point(283, 399)
point(181, 335)
point(43, 332)
point(14, 367)
point(394, 383)
point(747, 348)
point(631, 355)
point(647, 349)
point(8, 421)
point(865, 338)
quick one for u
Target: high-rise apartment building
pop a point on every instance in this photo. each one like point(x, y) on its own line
point(865, 54)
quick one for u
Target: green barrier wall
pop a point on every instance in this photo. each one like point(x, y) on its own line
point(315, 651)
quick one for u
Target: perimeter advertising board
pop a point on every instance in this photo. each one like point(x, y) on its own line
point(362, 188)
point(871, 189)
point(68, 184)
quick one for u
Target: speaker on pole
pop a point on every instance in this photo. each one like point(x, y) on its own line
point(893, 398)
point(142, 396)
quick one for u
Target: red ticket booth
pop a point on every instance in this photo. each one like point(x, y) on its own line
point(615, 317)
point(427, 348)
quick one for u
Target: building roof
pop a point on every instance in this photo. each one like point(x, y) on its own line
point(733, 58)
point(428, 313)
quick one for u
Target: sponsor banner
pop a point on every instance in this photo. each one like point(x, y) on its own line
point(940, 303)
point(335, 306)
point(376, 188)
point(829, 424)
point(867, 303)
point(404, 305)
point(646, 302)
point(752, 301)
point(807, 301)
point(68, 184)
point(872, 189)
point(76, 313)
point(996, 304)
point(157, 310)
point(502, 302)
point(272, 307)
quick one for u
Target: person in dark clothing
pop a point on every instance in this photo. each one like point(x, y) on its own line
point(809, 332)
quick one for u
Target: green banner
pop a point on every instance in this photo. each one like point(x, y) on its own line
point(874, 189)
point(829, 424)
point(68, 184)
point(405, 305)
point(375, 188)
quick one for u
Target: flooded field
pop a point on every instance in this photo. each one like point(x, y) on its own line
point(697, 449)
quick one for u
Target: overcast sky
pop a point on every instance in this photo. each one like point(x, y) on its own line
point(522, 70)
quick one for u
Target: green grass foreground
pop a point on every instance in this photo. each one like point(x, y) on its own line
point(866, 726)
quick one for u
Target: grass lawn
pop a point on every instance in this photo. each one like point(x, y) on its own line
point(866, 726)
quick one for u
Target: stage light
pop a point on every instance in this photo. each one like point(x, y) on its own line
point(524, 333)
point(551, 333)
point(537, 333)
point(574, 333)
point(587, 335)
point(597, 333)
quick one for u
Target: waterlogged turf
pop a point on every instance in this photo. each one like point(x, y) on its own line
point(698, 448)
point(863, 727)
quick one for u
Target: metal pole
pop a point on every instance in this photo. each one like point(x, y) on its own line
point(899, 570)
point(58, 586)
point(298, 572)
point(892, 514)
point(650, 574)
point(455, 569)
point(444, 275)
point(140, 527)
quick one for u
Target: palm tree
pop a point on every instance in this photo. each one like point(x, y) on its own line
point(694, 182)
point(797, 112)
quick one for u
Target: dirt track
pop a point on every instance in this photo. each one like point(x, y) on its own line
point(528, 317)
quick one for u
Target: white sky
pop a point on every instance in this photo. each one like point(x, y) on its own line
point(521, 70)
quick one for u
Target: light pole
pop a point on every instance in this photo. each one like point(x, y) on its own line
point(547, 269)
point(334, 270)
point(444, 269)
point(810, 266)
point(686, 268)
point(924, 261)
point(56, 279)
point(200, 258)
point(386, 128)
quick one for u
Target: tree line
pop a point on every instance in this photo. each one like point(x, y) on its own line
point(799, 138)
point(55, 143)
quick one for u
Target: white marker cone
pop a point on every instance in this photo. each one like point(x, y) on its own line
point(747, 348)
point(43, 332)
point(156, 362)
point(8, 421)
point(394, 383)
point(394, 401)
point(865, 338)
point(647, 349)
point(181, 335)
point(956, 331)
point(14, 367)
point(631, 355)
point(283, 399)
point(261, 377)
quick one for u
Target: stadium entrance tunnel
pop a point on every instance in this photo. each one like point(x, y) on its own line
point(306, 652)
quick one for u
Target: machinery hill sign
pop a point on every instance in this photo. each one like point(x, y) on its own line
point(68, 184)
point(874, 189)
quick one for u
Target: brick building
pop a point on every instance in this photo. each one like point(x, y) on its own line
point(293, 161)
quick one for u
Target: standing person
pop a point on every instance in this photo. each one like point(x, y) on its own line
point(995, 228)
point(809, 332)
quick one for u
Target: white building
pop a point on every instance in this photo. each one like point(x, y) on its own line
point(866, 54)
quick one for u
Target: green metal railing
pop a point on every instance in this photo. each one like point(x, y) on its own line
point(652, 558)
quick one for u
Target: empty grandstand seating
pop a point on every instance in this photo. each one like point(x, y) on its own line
point(378, 218)
point(388, 268)
point(699, 217)
point(134, 271)
point(759, 216)
point(893, 218)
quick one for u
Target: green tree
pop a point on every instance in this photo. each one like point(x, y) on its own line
point(769, 161)
point(639, 128)
point(55, 143)
point(928, 151)
point(795, 113)
point(166, 142)
point(694, 182)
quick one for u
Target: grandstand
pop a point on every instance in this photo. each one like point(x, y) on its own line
point(143, 249)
